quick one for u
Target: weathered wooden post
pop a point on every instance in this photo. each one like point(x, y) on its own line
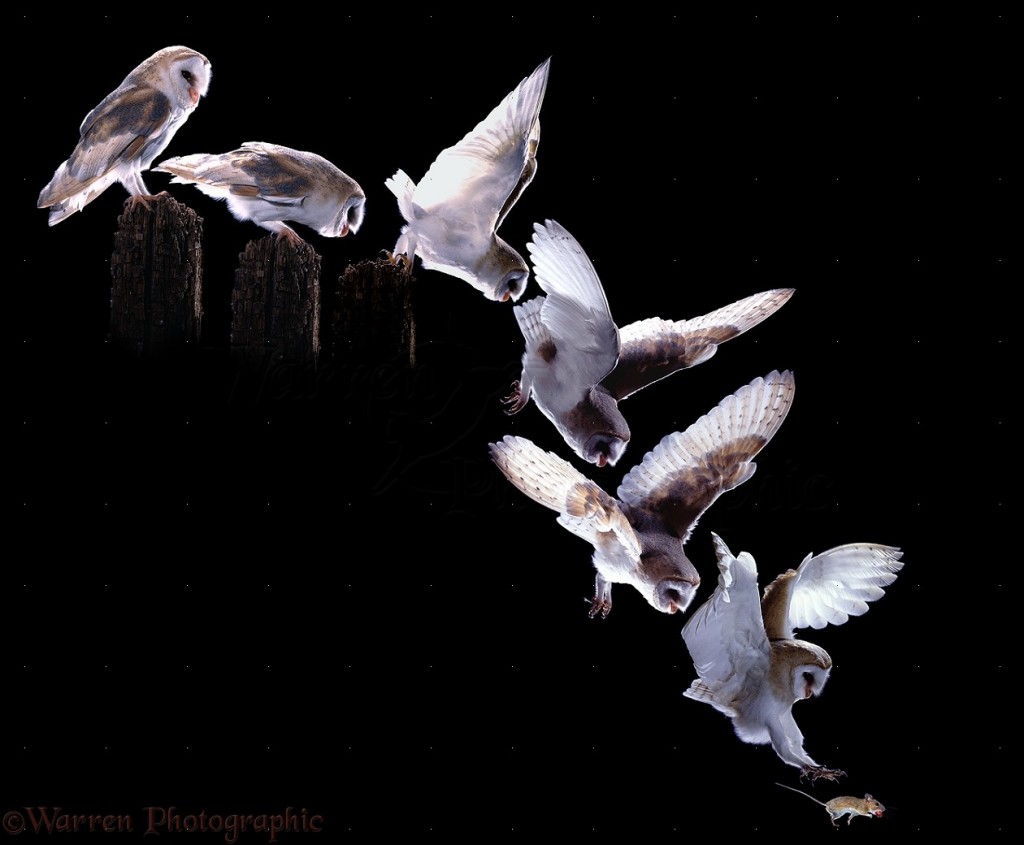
point(372, 315)
point(156, 297)
point(275, 302)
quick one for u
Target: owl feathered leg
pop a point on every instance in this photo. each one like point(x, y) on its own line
point(602, 601)
point(405, 251)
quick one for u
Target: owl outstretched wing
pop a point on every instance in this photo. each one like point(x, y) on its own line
point(829, 588)
point(479, 178)
point(687, 471)
point(582, 506)
point(654, 348)
point(725, 635)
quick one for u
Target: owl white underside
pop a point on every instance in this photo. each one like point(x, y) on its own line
point(571, 341)
point(269, 216)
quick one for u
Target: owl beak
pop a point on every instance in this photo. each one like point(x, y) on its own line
point(344, 229)
point(194, 95)
point(602, 459)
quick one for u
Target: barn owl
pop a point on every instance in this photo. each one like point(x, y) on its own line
point(131, 126)
point(453, 214)
point(578, 364)
point(638, 538)
point(268, 184)
point(751, 667)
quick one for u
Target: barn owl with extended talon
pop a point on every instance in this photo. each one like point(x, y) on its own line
point(638, 537)
point(269, 184)
point(578, 365)
point(453, 213)
point(751, 667)
point(124, 134)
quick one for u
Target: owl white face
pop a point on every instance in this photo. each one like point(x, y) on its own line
point(673, 595)
point(668, 585)
point(187, 80)
point(603, 449)
point(349, 219)
point(501, 274)
point(808, 680)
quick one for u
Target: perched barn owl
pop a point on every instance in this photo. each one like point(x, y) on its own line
point(638, 538)
point(578, 364)
point(268, 184)
point(124, 134)
point(750, 665)
point(453, 214)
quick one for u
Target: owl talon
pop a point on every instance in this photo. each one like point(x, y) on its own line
point(514, 401)
point(598, 605)
point(816, 773)
point(143, 199)
point(399, 259)
point(289, 236)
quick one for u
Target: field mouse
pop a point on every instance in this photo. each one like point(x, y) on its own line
point(845, 805)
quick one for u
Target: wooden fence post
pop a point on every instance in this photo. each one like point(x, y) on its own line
point(372, 314)
point(156, 293)
point(275, 303)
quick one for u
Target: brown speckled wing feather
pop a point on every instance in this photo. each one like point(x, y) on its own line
point(653, 349)
point(684, 474)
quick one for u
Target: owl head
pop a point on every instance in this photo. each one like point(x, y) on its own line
point(666, 585)
point(348, 219)
point(182, 74)
point(598, 431)
point(502, 273)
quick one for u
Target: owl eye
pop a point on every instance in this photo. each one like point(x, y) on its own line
point(809, 677)
point(187, 74)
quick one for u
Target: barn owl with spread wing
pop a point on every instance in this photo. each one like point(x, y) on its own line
point(638, 537)
point(269, 184)
point(751, 667)
point(124, 134)
point(453, 214)
point(578, 364)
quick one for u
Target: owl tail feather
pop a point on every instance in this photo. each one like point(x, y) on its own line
point(402, 187)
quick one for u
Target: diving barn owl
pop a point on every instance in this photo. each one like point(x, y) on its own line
point(453, 213)
point(638, 538)
point(751, 667)
point(268, 184)
point(578, 364)
point(124, 134)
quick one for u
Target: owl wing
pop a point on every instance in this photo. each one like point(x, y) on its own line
point(687, 471)
point(725, 636)
point(582, 506)
point(653, 349)
point(576, 342)
point(479, 178)
point(266, 171)
point(129, 125)
point(829, 588)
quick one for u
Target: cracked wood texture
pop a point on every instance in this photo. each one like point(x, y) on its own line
point(275, 302)
point(373, 314)
point(157, 270)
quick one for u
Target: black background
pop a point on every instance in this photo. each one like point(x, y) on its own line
point(239, 589)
